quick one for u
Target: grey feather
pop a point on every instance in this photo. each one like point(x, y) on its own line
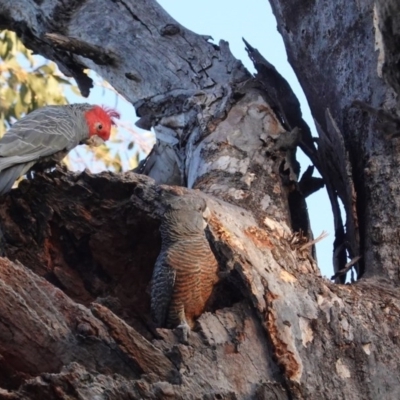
point(162, 288)
point(186, 269)
point(10, 175)
point(42, 133)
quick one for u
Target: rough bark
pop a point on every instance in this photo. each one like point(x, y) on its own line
point(89, 318)
point(80, 249)
point(341, 54)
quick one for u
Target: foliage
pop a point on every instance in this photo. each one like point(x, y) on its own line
point(24, 85)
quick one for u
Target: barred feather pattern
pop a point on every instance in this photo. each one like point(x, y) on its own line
point(185, 271)
point(47, 134)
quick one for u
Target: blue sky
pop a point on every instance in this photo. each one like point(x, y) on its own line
point(254, 21)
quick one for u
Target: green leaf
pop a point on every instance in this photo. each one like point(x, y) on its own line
point(62, 80)
point(75, 90)
point(26, 95)
point(117, 163)
point(19, 109)
point(46, 69)
point(9, 95)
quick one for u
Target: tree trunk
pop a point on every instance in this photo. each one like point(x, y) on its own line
point(344, 54)
point(80, 249)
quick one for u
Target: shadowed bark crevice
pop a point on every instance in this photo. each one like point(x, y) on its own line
point(273, 321)
point(112, 217)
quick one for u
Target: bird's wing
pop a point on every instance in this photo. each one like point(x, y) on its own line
point(162, 288)
point(10, 175)
point(37, 135)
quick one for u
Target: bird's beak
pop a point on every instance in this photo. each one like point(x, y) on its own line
point(94, 141)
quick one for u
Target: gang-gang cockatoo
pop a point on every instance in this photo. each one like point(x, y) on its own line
point(45, 136)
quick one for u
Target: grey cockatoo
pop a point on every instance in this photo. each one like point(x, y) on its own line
point(44, 137)
point(186, 269)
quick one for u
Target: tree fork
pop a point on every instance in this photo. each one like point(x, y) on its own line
point(274, 321)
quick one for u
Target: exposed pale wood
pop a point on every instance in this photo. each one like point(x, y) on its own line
point(270, 307)
point(74, 315)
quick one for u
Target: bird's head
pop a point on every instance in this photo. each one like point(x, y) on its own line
point(100, 120)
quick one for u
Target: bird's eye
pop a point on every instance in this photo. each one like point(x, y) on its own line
point(99, 127)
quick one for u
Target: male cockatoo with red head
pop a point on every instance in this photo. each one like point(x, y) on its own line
point(45, 136)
